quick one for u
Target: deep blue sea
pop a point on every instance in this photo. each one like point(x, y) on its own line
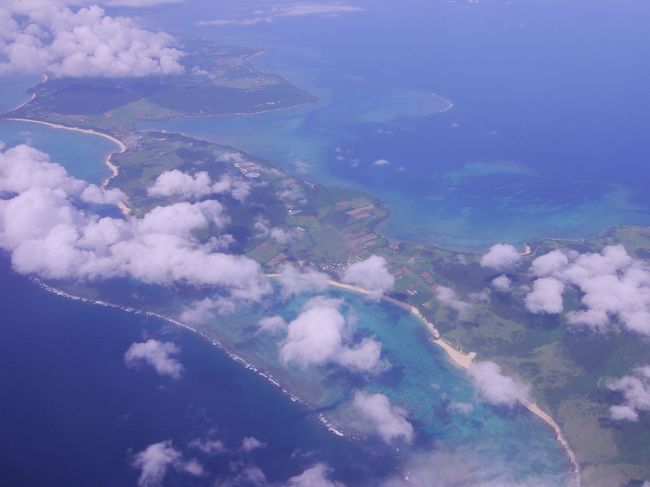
point(73, 414)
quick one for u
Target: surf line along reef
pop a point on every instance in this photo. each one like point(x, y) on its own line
point(459, 358)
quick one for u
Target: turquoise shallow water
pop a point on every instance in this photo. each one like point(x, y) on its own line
point(81, 152)
point(421, 379)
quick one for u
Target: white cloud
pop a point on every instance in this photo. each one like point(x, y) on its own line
point(277, 234)
point(381, 162)
point(301, 166)
point(48, 234)
point(155, 461)
point(205, 310)
point(178, 183)
point(40, 36)
point(181, 219)
point(494, 387)
point(315, 476)
point(615, 287)
point(502, 283)
point(319, 336)
point(159, 355)
point(273, 324)
point(295, 281)
point(546, 296)
point(250, 443)
point(370, 274)
point(208, 446)
point(500, 257)
point(281, 236)
point(98, 196)
point(635, 391)
point(449, 298)
point(388, 421)
point(547, 264)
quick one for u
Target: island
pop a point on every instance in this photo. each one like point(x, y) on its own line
point(329, 228)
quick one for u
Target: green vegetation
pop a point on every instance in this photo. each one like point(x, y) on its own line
point(217, 80)
point(330, 227)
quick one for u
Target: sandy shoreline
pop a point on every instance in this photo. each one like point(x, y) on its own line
point(464, 360)
point(115, 171)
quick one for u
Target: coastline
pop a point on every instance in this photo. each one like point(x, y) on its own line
point(334, 429)
point(464, 360)
point(461, 359)
point(457, 357)
point(115, 171)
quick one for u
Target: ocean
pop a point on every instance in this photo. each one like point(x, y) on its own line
point(74, 414)
point(546, 137)
point(547, 134)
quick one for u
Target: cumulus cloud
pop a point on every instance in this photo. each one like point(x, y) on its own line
point(550, 263)
point(178, 183)
point(277, 234)
point(273, 324)
point(370, 274)
point(41, 36)
point(206, 309)
point(501, 283)
point(155, 461)
point(614, 287)
point(635, 392)
point(496, 388)
point(208, 446)
point(315, 476)
point(250, 443)
point(319, 335)
point(281, 236)
point(98, 196)
point(159, 355)
point(295, 281)
point(381, 162)
point(500, 257)
point(546, 296)
point(48, 233)
point(377, 413)
point(448, 297)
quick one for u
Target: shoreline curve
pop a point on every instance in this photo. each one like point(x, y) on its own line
point(115, 170)
point(464, 360)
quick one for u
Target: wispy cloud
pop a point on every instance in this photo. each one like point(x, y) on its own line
point(283, 11)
